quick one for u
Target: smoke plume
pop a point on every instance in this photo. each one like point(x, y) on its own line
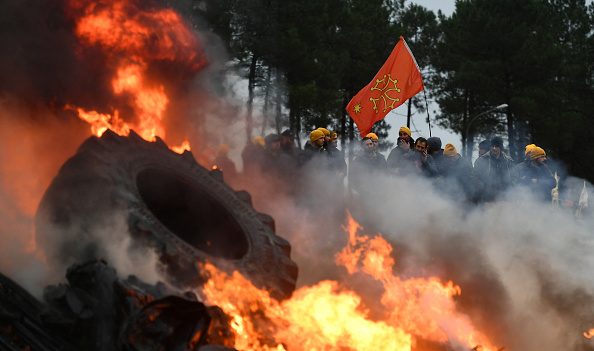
point(525, 269)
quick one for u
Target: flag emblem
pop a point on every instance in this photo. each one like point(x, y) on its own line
point(385, 86)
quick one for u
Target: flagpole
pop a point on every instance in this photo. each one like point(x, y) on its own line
point(427, 107)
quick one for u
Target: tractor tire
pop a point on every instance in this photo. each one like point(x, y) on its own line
point(170, 202)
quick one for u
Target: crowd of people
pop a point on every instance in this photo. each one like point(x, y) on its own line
point(492, 173)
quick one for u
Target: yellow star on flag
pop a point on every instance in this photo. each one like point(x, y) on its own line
point(357, 108)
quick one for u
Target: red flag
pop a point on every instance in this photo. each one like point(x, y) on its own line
point(398, 80)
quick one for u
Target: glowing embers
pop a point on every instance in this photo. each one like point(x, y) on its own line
point(328, 316)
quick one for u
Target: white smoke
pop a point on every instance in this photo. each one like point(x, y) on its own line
point(525, 268)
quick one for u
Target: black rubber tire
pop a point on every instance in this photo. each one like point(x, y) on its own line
point(187, 212)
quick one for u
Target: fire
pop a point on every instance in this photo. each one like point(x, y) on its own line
point(185, 145)
point(589, 334)
point(423, 307)
point(321, 317)
point(133, 37)
point(328, 316)
point(101, 122)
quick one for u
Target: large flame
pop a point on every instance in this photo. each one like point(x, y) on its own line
point(328, 316)
point(132, 37)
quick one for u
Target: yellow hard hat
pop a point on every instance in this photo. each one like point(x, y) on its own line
point(450, 150)
point(537, 152)
point(315, 135)
point(528, 149)
point(259, 140)
point(406, 130)
point(325, 131)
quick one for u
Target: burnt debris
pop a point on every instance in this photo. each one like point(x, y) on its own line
point(97, 311)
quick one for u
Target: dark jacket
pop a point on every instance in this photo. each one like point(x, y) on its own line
point(363, 167)
point(399, 161)
point(253, 156)
point(310, 151)
point(456, 177)
point(422, 166)
point(437, 159)
point(336, 159)
point(537, 177)
point(492, 175)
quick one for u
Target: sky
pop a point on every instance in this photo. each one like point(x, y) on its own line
point(446, 6)
point(419, 127)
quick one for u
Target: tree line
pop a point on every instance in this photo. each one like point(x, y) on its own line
point(304, 60)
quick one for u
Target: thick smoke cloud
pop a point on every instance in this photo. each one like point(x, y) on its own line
point(33, 145)
point(525, 269)
point(39, 62)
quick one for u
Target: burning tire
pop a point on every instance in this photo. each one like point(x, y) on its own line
point(167, 200)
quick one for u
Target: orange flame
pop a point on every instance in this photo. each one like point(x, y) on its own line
point(321, 317)
point(423, 307)
point(327, 316)
point(101, 122)
point(132, 37)
point(589, 334)
point(185, 145)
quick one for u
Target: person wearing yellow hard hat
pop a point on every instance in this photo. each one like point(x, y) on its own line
point(320, 141)
point(317, 138)
point(528, 149)
point(315, 146)
point(399, 160)
point(326, 132)
point(405, 133)
point(374, 139)
point(366, 164)
point(327, 138)
point(535, 174)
